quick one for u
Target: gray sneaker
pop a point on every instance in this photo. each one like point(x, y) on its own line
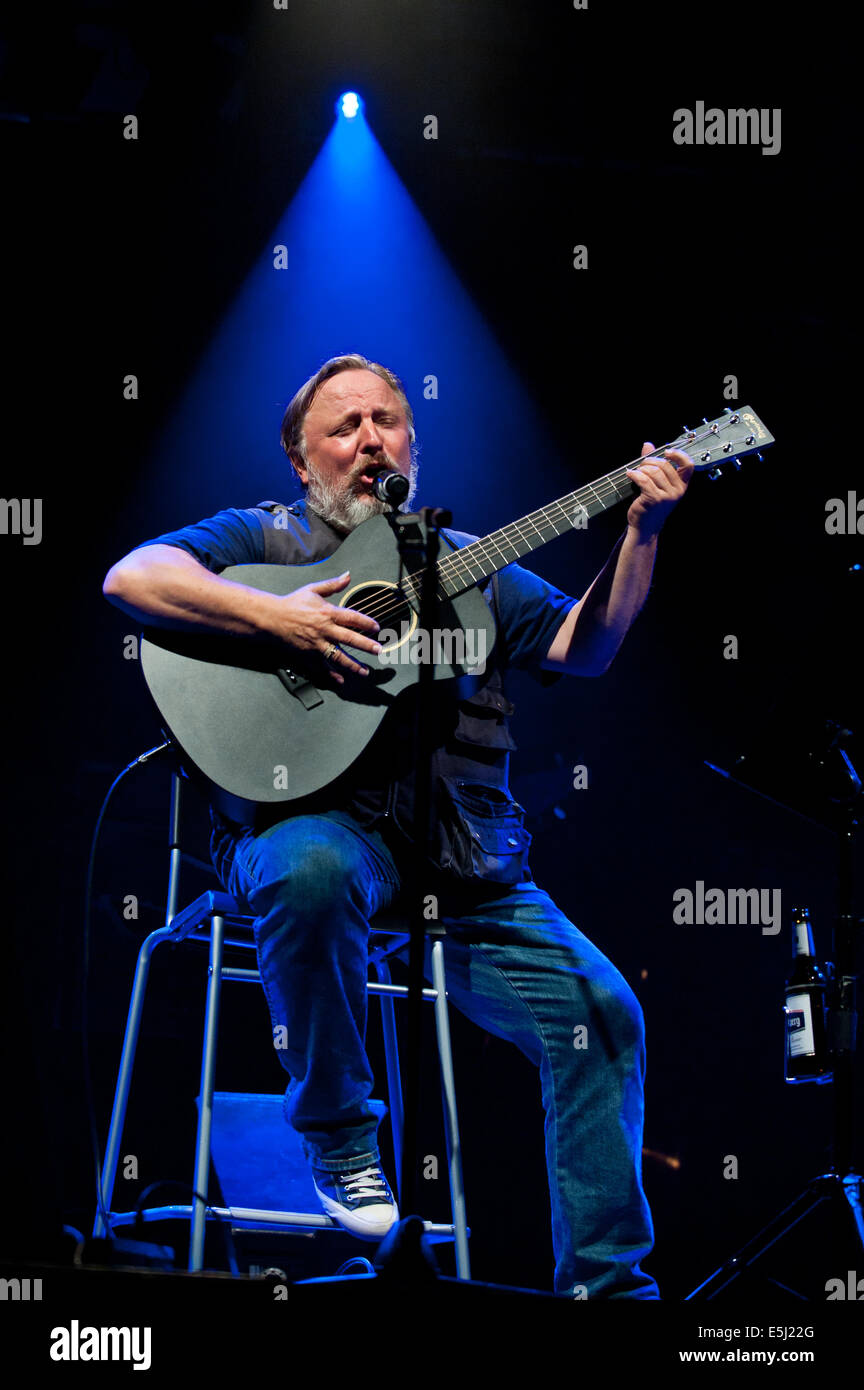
point(361, 1202)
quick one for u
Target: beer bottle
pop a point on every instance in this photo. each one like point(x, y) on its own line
point(807, 1052)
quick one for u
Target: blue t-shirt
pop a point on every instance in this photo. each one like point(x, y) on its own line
point(531, 610)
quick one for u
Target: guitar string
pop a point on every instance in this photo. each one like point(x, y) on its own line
point(459, 562)
point(458, 565)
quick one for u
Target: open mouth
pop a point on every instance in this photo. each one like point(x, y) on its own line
point(372, 473)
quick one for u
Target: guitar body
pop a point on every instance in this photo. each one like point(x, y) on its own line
point(265, 723)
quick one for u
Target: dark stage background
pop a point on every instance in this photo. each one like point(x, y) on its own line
point(554, 130)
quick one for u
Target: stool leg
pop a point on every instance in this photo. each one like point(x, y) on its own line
point(124, 1075)
point(205, 1101)
point(394, 1075)
point(451, 1122)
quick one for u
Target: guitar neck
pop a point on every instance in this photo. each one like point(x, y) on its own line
point(481, 558)
point(730, 437)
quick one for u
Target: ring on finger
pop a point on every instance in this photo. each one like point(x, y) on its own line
point(328, 655)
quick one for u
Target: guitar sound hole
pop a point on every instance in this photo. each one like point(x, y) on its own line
point(396, 617)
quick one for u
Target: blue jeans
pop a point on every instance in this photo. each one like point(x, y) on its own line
point(515, 965)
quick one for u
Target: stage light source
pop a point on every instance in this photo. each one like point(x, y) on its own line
point(334, 291)
point(349, 105)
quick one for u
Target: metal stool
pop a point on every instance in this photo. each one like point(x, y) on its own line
point(216, 918)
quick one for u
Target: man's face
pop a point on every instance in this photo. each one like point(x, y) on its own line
point(355, 428)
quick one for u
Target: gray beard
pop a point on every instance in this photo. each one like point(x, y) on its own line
point(342, 508)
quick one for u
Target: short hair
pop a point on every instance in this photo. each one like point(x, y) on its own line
point(292, 433)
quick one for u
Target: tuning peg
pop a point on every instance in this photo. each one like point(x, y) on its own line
point(759, 457)
point(736, 462)
point(715, 474)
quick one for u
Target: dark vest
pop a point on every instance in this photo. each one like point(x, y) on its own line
point(478, 830)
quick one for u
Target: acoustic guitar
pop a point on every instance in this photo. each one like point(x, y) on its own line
point(264, 723)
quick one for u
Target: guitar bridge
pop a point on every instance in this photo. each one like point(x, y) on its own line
point(301, 688)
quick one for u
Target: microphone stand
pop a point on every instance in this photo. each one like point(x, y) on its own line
point(417, 536)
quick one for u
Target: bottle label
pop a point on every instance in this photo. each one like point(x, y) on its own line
point(803, 938)
point(799, 1026)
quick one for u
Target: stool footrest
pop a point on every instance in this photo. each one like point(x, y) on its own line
point(253, 1219)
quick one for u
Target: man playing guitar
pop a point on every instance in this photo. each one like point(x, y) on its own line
point(314, 874)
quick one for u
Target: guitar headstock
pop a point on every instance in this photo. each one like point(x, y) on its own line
point(727, 439)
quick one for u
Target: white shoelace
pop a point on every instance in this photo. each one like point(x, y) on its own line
point(368, 1183)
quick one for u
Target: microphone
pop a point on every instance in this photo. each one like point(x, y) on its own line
point(391, 487)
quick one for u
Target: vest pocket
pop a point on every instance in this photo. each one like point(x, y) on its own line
point(483, 833)
point(482, 720)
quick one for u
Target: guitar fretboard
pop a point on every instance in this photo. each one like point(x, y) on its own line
point(475, 562)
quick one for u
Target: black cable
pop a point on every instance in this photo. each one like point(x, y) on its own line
point(88, 909)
